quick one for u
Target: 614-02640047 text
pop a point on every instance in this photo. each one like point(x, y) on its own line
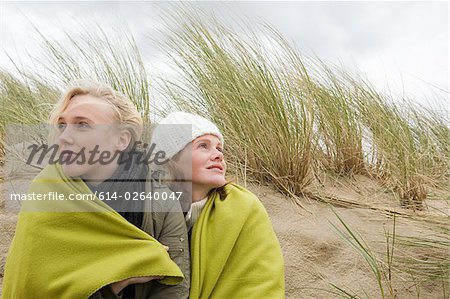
point(106, 196)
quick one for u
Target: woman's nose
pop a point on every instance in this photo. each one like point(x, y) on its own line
point(217, 156)
point(65, 136)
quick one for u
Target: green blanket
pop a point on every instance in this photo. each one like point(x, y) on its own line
point(73, 254)
point(234, 250)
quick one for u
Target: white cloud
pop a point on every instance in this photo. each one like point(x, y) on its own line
point(392, 42)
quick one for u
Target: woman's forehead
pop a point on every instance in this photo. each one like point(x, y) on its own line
point(90, 107)
point(209, 138)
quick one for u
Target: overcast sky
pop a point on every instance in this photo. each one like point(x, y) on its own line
point(403, 45)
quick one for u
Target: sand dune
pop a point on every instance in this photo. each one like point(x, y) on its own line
point(315, 257)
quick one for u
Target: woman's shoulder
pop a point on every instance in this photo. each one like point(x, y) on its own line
point(236, 188)
point(240, 200)
point(50, 171)
point(237, 193)
point(162, 198)
point(49, 177)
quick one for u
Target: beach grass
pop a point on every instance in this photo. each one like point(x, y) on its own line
point(290, 117)
point(287, 119)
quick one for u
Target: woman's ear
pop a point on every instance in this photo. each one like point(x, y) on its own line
point(124, 140)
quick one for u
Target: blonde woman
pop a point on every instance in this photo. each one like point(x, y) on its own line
point(105, 247)
point(234, 250)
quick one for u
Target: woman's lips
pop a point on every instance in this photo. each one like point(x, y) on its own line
point(216, 167)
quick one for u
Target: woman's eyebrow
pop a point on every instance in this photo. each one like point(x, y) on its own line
point(203, 140)
point(208, 141)
point(76, 118)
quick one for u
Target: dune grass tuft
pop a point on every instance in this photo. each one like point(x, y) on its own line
point(289, 117)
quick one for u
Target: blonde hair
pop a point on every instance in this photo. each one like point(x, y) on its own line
point(125, 112)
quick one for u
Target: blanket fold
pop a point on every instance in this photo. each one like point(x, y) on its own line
point(234, 250)
point(75, 251)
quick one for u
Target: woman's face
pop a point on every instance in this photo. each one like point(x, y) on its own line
point(86, 131)
point(203, 160)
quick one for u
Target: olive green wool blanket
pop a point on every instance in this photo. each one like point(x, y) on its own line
point(73, 254)
point(234, 250)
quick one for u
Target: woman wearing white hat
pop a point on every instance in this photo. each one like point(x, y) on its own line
point(234, 250)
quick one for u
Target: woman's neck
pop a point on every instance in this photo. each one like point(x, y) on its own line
point(199, 193)
point(105, 172)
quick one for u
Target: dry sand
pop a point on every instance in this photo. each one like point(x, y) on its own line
point(315, 257)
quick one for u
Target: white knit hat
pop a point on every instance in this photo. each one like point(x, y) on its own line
point(178, 129)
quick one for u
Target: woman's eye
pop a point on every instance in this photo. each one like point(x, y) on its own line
point(203, 145)
point(61, 126)
point(83, 125)
point(220, 149)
